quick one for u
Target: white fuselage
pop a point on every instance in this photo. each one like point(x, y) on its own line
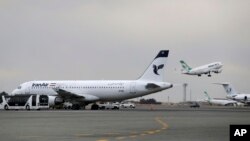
point(205, 69)
point(223, 102)
point(240, 97)
point(151, 81)
point(103, 90)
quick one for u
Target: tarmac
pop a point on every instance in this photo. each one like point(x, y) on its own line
point(141, 124)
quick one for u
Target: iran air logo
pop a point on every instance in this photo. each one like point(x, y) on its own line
point(156, 68)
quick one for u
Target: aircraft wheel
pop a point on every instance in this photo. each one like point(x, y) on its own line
point(6, 107)
point(75, 107)
point(94, 107)
point(27, 107)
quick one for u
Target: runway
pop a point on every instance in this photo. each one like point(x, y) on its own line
point(172, 124)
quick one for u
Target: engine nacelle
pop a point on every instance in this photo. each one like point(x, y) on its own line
point(218, 71)
point(55, 100)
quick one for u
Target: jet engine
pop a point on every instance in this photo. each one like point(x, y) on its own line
point(218, 71)
point(55, 100)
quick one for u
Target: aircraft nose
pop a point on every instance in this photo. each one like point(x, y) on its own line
point(221, 64)
point(171, 85)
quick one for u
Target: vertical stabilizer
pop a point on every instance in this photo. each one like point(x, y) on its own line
point(185, 66)
point(155, 71)
point(207, 96)
point(228, 88)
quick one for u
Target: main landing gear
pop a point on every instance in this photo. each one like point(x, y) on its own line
point(209, 75)
point(94, 107)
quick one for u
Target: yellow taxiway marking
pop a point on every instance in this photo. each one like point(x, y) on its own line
point(150, 132)
point(164, 124)
point(102, 140)
point(143, 134)
point(120, 138)
point(31, 136)
point(83, 135)
point(157, 131)
point(111, 133)
point(133, 134)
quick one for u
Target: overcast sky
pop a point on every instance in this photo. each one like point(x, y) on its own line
point(117, 39)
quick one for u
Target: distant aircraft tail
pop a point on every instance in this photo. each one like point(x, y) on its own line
point(207, 96)
point(155, 70)
point(228, 87)
point(185, 66)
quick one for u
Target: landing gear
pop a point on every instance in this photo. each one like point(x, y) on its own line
point(28, 107)
point(76, 107)
point(94, 107)
point(199, 75)
point(209, 75)
point(6, 107)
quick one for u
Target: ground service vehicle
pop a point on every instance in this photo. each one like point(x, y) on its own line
point(28, 102)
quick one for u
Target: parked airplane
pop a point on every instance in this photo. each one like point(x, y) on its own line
point(85, 92)
point(205, 69)
point(233, 94)
point(223, 102)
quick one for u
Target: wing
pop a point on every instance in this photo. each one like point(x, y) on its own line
point(70, 95)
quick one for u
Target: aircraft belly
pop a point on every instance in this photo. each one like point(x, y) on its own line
point(110, 95)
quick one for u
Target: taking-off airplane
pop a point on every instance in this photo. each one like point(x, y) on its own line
point(205, 69)
point(81, 93)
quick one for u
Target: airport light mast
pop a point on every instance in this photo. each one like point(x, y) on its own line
point(184, 91)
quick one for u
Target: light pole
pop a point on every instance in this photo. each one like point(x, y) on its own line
point(184, 91)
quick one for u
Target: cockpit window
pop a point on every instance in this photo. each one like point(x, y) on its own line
point(19, 87)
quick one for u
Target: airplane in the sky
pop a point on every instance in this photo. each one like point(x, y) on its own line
point(223, 102)
point(81, 93)
point(233, 94)
point(205, 69)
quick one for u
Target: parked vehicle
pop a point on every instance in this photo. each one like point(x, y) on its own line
point(194, 105)
point(109, 105)
point(127, 105)
point(28, 102)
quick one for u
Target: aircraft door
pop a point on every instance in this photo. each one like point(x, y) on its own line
point(133, 87)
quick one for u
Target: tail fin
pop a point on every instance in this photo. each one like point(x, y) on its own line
point(155, 70)
point(207, 96)
point(229, 88)
point(185, 66)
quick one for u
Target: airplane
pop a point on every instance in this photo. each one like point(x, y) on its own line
point(83, 92)
point(233, 94)
point(205, 69)
point(223, 102)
